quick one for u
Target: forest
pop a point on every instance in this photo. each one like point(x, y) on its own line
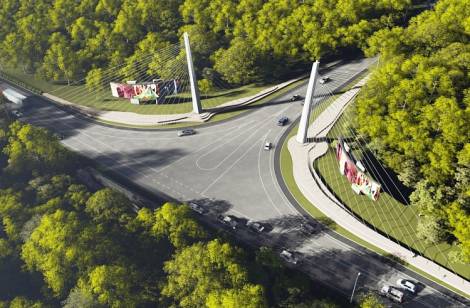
point(65, 244)
point(240, 40)
point(415, 113)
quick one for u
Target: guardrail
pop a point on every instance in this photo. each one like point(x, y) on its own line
point(19, 83)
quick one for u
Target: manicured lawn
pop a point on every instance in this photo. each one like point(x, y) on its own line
point(102, 100)
point(288, 177)
point(391, 213)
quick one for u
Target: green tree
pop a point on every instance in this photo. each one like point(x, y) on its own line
point(31, 148)
point(201, 269)
point(78, 298)
point(205, 86)
point(62, 247)
point(238, 63)
point(108, 205)
point(370, 300)
point(22, 302)
point(112, 286)
point(94, 80)
point(174, 222)
point(250, 296)
point(459, 219)
point(430, 229)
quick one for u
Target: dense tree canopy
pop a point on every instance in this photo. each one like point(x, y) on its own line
point(62, 244)
point(210, 273)
point(60, 40)
point(415, 110)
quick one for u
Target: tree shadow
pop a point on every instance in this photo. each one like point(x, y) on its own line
point(386, 177)
point(213, 206)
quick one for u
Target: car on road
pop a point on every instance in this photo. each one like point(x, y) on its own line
point(229, 220)
point(282, 121)
point(289, 256)
point(17, 113)
point(268, 146)
point(295, 97)
point(325, 79)
point(392, 293)
point(307, 228)
point(59, 136)
point(186, 132)
point(255, 226)
point(197, 208)
point(407, 285)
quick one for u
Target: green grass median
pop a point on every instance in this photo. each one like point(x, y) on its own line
point(328, 169)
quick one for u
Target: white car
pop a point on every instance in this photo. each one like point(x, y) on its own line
point(186, 132)
point(392, 293)
point(196, 208)
point(288, 256)
point(407, 285)
point(268, 146)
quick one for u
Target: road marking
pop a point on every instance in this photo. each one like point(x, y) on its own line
point(203, 147)
point(231, 166)
point(261, 178)
point(258, 125)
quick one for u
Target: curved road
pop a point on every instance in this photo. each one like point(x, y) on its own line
point(225, 168)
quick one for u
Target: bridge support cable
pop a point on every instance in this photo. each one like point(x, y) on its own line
point(400, 221)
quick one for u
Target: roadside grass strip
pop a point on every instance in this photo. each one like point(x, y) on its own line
point(399, 224)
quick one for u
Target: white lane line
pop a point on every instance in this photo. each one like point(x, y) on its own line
point(254, 128)
point(146, 135)
point(261, 178)
point(239, 127)
point(231, 166)
point(276, 184)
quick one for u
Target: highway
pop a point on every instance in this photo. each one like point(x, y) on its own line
point(225, 168)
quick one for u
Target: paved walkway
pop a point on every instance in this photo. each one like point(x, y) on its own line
point(131, 118)
point(318, 194)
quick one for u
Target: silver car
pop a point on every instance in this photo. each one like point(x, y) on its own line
point(186, 132)
point(196, 208)
point(255, 226)
point(288, 256)
point(407, 285)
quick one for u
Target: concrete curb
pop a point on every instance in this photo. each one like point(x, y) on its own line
point(317, 193)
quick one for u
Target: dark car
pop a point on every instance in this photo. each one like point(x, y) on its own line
point(282, 121)
point(197, 208)
point(186, 132)
point(307, 228)
point(17, 114)
point(255, 226)
point(229, 220)
point(325, 79)
point(295, 98)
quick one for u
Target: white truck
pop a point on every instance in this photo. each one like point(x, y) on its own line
point(392, 293)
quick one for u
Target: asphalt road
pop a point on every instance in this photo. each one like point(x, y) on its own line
point(225, 168)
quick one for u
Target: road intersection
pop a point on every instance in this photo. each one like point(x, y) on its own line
point(225, 168)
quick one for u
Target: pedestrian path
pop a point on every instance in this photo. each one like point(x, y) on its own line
point(131, 118)
point(312, 187)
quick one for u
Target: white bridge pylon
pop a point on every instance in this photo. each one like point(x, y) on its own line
point(303, 124)
point(197, 108)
